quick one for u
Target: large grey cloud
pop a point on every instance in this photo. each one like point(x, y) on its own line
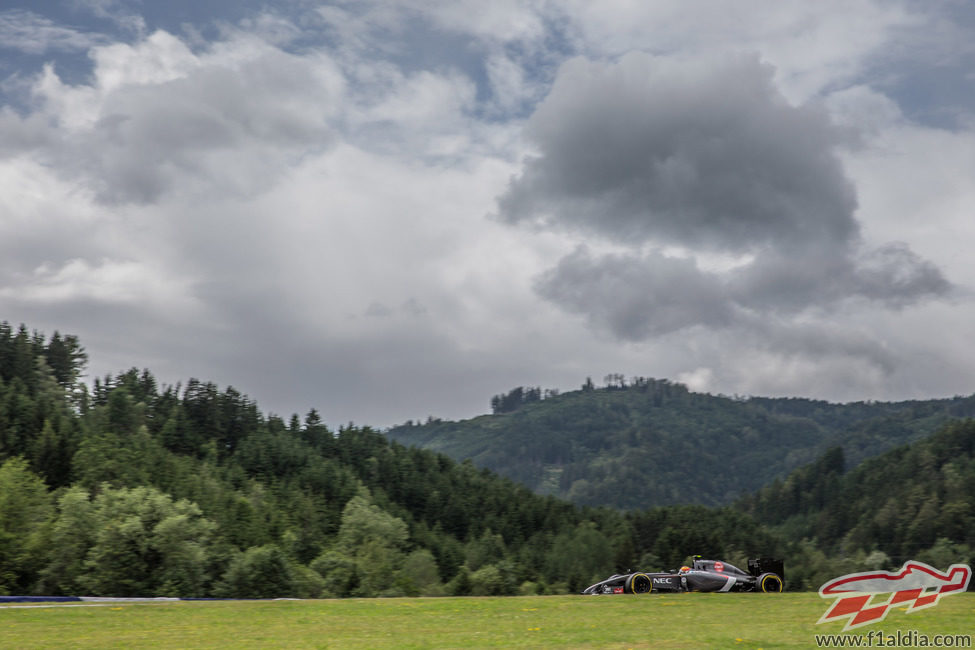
point(706, 156)
point(696, 153)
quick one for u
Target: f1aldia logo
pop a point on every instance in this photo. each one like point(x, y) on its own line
point(916, 586)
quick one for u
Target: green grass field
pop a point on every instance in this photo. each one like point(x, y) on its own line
point(659, 621)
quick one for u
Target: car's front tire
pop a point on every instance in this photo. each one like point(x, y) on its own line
point(638, 583)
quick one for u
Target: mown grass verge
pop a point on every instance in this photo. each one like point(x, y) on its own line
point(659, 621)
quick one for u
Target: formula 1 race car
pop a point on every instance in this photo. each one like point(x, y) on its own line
point(764, 575)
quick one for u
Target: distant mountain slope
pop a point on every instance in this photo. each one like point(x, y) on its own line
point(654, 442)
point(911, 502)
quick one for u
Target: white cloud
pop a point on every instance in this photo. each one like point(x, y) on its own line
point(423, 114)
point(914, 186)
point(104, 281)
point(34, 34)
point(156, 115)
point(813, 46)
point(117, 12)
point(504, 20)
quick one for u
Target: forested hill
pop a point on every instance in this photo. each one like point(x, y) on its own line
point(653, 442)
point(132, 488)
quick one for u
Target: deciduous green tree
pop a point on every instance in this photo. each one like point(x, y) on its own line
point(72, 536)
point(258, 572)
point(146, 544)
point(25, 509)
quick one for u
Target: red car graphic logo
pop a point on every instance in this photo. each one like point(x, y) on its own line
point(916, 584)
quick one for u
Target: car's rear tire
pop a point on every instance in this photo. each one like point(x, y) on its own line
point(638, 583)
point(769, 583)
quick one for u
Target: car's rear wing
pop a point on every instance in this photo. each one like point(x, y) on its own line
point(762, 565)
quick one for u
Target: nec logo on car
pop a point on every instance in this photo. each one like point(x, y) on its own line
point(662, 581)
point(916, 585)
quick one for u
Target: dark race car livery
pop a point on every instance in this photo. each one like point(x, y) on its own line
point(764, 575)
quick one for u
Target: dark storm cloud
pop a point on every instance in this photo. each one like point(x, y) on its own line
point(636, 296)
point(789, 281)
point(896, 275)
point(695, 154)
point(709, 157)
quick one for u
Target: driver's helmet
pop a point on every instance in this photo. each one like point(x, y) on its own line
point(684, 569)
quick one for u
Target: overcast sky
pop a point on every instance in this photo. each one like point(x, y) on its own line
point(391, 210)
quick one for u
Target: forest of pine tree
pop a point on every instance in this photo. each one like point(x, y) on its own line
point(128, 487)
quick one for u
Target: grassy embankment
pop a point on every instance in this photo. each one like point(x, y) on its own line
point(659, 621)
